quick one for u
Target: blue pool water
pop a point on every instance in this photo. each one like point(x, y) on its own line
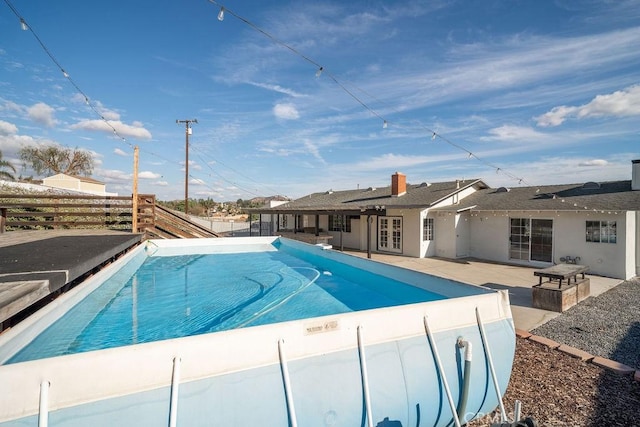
point(176, 296)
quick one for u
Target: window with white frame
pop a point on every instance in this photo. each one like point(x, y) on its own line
point(601, 232)
point(427, 229)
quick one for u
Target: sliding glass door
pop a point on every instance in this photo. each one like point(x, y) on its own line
point(531, 239)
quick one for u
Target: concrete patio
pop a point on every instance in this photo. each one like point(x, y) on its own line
point(517, 280)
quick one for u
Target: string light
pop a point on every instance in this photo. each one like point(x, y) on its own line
point(221, 14)
point(26, 27)
point(321, 70)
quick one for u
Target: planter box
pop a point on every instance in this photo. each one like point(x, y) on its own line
point(548, 296)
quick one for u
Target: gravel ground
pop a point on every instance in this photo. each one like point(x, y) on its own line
point(607, 325)
point(559, 390)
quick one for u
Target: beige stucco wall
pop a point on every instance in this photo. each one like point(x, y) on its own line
point(489, 239)
point(350, 240)
point(445, 231)
point(67, 182)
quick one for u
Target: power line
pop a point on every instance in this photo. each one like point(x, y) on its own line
point(26, 27)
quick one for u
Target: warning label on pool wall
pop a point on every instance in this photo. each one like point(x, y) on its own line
point(319, 327)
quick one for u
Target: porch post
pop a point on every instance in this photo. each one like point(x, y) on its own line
point(369, 220)
point(342, 228)
point(317, 225)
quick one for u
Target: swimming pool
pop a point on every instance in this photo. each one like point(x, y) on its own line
point(171, 295)
point(292, 343)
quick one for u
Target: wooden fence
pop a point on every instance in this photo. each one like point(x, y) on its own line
point(28, 212)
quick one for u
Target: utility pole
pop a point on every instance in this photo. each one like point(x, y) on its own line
point(134, 204)
point(187, 132)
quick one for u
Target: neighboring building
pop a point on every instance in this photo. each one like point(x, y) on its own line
point(82, 184)
point(536, 226)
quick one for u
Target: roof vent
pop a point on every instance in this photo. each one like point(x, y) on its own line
point(503, 190)
point(329, 192)
point(591, 185)
point(425, 184)
point(371, 189)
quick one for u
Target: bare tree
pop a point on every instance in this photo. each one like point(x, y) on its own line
point(56, 159)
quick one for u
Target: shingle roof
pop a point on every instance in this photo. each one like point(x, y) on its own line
point(418, 195)
point(614, 195)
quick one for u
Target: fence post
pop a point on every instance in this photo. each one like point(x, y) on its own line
point(3, 219)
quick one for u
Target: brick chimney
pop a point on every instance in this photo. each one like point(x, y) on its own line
point(635, 174)
point(398, 184)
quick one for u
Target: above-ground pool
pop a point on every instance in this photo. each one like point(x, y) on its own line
point(257, 331)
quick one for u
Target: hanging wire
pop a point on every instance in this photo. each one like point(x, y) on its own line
point(323, 70)
point(217, 161)
point(25, 26)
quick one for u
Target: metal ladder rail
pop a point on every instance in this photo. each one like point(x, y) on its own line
point(365, 377)
point(43, 409)
point(492, 369)
point(175, 385)
point(291, 410)
point(434, 350)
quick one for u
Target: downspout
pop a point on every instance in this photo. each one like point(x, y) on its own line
point(466, 379)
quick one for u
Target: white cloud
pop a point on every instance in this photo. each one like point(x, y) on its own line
point(149, 175)
point(42, 113)
point(594, 162)
point(120, 152)
point(114, 175)
point(513, 133)
point(621, 103)
point(278, 88)
point(196, 181)
point(314, 150)
point(161, 183)
point(123, 129)
point(556, 116)
point(286, 112)
point(12, 106)
point(7, 128)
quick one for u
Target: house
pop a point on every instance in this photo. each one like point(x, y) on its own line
point(82, 184)
point(597, 224)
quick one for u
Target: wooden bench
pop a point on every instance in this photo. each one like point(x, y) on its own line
point(562, 272)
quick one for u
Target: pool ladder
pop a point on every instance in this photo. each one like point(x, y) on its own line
point(43, 416)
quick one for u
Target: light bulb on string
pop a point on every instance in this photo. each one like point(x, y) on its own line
point(221, 14)
point(23, 25)
point(384, 124)
point(433, 136)
point(64, 73)
point(319, 72)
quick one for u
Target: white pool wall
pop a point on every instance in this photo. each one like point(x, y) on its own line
point(111, 375)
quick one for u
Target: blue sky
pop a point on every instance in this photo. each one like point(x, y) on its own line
point(516, 92)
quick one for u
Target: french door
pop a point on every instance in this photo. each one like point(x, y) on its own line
point(531, 239)
point(390, 234)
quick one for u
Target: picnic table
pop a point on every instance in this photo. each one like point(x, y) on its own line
point(562, 272)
